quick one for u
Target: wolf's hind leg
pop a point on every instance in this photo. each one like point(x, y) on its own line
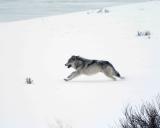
point(110, 76)
point(109, 71)
point(72, 75)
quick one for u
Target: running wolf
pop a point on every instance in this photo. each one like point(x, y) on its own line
point(90, 67)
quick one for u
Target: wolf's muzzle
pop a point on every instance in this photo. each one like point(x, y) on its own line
point(68, 65)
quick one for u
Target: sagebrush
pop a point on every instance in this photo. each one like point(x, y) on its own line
point(145, 116)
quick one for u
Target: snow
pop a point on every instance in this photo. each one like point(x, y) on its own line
point(39, 48)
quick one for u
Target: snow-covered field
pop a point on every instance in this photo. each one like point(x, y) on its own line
point(39, 49)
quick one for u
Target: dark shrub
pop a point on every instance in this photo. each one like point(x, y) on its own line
point(29, 80)
point(146, 116)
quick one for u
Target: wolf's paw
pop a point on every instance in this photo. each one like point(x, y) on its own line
point(66, 79)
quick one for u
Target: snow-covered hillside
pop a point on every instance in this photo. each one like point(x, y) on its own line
point(39, 49)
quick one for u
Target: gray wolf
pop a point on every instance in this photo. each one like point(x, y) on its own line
point(90, 67)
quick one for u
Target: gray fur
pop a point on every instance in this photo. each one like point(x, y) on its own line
point(90, 67)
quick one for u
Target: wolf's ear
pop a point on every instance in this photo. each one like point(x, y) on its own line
point(78, 57)
point(73, 56)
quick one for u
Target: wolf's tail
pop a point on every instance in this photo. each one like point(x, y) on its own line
point(117, 74)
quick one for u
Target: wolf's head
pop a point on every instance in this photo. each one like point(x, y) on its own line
point(73, 62)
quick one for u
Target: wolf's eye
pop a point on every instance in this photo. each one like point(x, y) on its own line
point(70, 60)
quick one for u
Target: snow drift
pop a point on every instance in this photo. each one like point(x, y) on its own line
point(39, 49)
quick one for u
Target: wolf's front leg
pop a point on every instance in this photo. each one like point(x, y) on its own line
point(72, 75)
